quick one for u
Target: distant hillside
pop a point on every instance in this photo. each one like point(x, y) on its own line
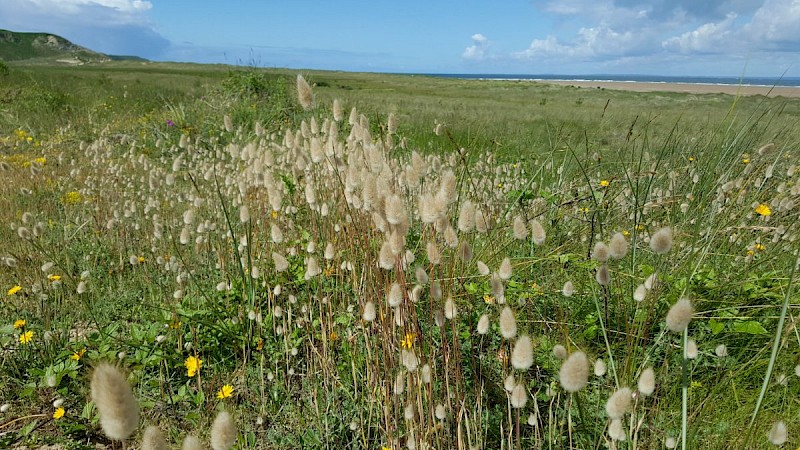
point(48, 48)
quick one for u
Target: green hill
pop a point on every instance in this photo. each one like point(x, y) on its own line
point(45, 47)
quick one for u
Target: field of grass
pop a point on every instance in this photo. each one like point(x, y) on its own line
point(408, 262)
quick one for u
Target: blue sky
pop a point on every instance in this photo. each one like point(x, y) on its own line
point(659, 37)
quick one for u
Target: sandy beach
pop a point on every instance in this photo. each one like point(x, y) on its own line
point(780, 91)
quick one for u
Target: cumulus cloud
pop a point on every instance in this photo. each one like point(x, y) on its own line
point(776, 25)
point(476, 51)
point(590, 43)
point(708, 38)
point(119, 27)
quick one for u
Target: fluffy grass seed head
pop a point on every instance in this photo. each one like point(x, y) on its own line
point(519, 396)
point(508, 324)
point(505, 269)
point(466, 217)
point(616, 430)
point(560, 352)
point(569, 289)
point(153, 439)
point(574, 372)
point(601, 252)
point(640, 293)
point(191, 443)
point(619, 403)
point(618, 246)
point(721, 351)
point(369, 311)
point(778, 435)
point(647, 382)
point(113, 397)
point(661, 241)
point(522, 355)
point(538, 234)
point(483, 325)
point(691, 349)
point(450, 309)
point(520, 229)
point(304, 94)
point(395, 295)
point(602, 276)
point(223, 431)
point(679, 315)
point(599, 368)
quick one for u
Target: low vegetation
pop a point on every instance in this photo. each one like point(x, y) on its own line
point(235, 256)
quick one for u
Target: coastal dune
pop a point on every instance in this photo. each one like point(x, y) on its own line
point(690, 88)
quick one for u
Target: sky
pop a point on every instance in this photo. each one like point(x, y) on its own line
point(571, 37)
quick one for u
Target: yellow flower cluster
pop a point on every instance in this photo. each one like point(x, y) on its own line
point(225, 392)
point(71, 198)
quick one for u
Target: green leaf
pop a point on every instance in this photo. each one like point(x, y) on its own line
point(716, 326)
point(749, 327)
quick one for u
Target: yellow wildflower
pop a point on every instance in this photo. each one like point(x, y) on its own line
point(745, 160)
point(58, 413)
point(488, 299)
point(141, 259)
point(19, 323)
point(274, 214)
point(407, 341)
point(691, 159)
point(763, 210)
point(604, 183)
point(78, 355)
point(333, 336)
point(225, 392)
point(14, 290)
point(71, 198)
point(192, 365)
point(41, 160)
point(759, 247)
point(26, 337)
point(53, 277)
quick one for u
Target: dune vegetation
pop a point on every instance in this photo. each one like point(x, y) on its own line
point(242, 258)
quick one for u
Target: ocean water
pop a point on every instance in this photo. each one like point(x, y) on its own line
point(751, 81)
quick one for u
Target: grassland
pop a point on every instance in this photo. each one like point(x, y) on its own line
point(346, 274)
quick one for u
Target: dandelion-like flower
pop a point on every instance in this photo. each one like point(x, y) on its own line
point(26, 337)
point(58, 413)
point(225, 391)
point(763, 210)
point(192, 365)
point(19, 323)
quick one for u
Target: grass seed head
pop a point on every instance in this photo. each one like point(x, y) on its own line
point(599, 368)
point(483, 325)
point(223, 431)
point(505, 269)
point(618, 246)
point(619, 403)
point(574, 372)
point(305, 95)
point(679, 315)
point(483, 269)
point(153, 439)
point(691, 349)
point(191, 443)
point(395, 295)
point(369, 312)
point(640, 293)
point(568, 289)
point(778, 435)
point(450, 309)
point(601, 252)
point(519, 396)
point(602, 276)
point(560, 352)
point(721, 351)
point(647, 382)
point(616, 431)
point(520, 229)
point(508, 324)
point(522, 355)
point(537, 232)
point(111, 393)
point(661, 241)
point(466, 217)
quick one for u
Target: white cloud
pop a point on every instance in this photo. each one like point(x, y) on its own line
point(121, 27)
point(708, 38)
point(776, 24)
point(591, 43)
point(476, 51)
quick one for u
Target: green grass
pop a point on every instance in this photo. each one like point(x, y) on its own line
point(107, 160)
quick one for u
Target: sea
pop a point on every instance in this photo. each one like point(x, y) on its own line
point(736, 81)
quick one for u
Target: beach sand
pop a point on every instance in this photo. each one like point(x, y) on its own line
point(779, 91)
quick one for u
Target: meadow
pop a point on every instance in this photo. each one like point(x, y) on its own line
point(372, 261)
